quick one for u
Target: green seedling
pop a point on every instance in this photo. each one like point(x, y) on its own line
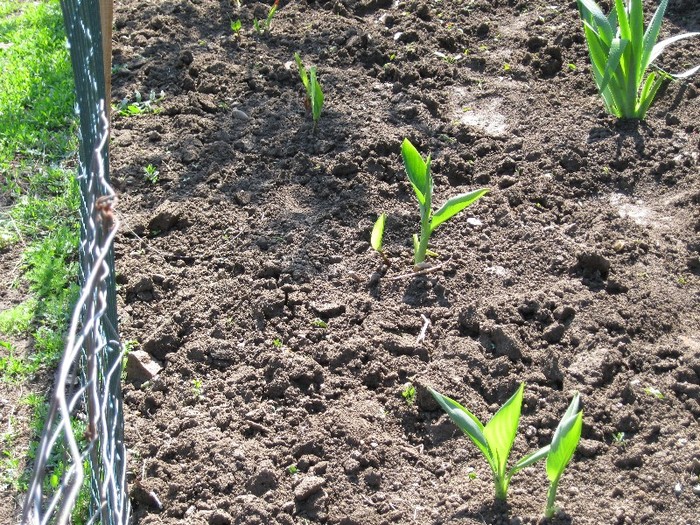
point(151, 173)
point(621, 51)
point(654, 392)
point(292, 469)
point(377, 238)
point(319, 323)
point(409, 394)
point(561, 450)
point(197, 387)
point(418, 171)
point(277, 342)
point(263, 26)
point(495, 439)
point(236, 28)
point(314, 94)
point(138, 106)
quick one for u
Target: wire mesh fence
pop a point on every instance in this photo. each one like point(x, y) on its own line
point(80, 466)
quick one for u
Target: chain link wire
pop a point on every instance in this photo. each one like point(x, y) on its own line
point(80, 466)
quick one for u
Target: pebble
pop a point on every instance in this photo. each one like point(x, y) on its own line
point(308, 487)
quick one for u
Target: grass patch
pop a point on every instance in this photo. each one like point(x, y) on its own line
point(38, 210)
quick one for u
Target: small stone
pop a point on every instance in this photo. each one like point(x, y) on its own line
point(696, 490)
point(240, 115)
point(219, 517)
point(328, 310)
point(554, 333)
point(678, 489)
point(141, 367)
point(308, 487)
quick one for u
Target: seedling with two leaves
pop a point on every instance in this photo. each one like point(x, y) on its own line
point(263, 26)
point(421, 178)
point(314, 94)
point(495, 440)
point(621, 51)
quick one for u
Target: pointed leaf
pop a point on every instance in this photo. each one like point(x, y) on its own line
point(652, 85)
point(617, 48)
point(302, 73)
point(591, 12)
point(454, 205)
point(316, 95)
point(530, 459)
point(465, 420)
point(501, 429)
point(661, 46)
point(565, 440)
point(416, 170)
point(652, 34)
point(378, 233)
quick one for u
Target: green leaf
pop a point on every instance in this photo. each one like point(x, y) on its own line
point(416, 169)
point(591, 12)
point(617, 48)
point(316, 95)
point(302, 73)
point(565, 440)
point(652, 34)
point(501, 429)
point(454, 205)
point(378, 233)
point(530, 459)
point(465, 420)
point(661, 46)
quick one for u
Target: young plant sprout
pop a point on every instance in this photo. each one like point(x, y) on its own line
point(418, 171)
point(263, 26)
point(314, 94)
point(495, 439)
point(377, 237)
point(621, 51)
point(560, 452)
point(236, 28)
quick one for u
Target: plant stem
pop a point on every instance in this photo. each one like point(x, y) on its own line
point(551, 497)
point(424, 235)
point(501, 486)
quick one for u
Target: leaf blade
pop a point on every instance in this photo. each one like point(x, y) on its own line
point(416, 169)
point(565, 440)
point(454, 205)
point(378, 233)
point(500, 431)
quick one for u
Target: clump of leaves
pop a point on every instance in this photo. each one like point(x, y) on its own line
point(151, 173)
point(140, 106)
point(418, 171)
point(409, 394)
point(314, 94)
point(621, 51)
point(236, 28)
point(495, 439)
point(263, 26)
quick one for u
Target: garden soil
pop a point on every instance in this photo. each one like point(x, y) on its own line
point(295, 360)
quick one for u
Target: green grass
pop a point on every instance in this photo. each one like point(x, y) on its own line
point(38, 211)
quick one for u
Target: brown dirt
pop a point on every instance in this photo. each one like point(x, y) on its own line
point(580, 271)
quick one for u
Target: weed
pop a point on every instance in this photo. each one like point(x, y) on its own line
point(319, 323)
point(138, 106)
point(151, 173)
point(654, 392)
point(621, 51)
point(314, 94)
point(619, 439)
point(236, 28)
point(197, 387)
point(292, 469)
point(421, 178)
point(277, 343)
point(409, 394)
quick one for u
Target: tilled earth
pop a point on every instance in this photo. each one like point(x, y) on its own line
point(286, 343)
